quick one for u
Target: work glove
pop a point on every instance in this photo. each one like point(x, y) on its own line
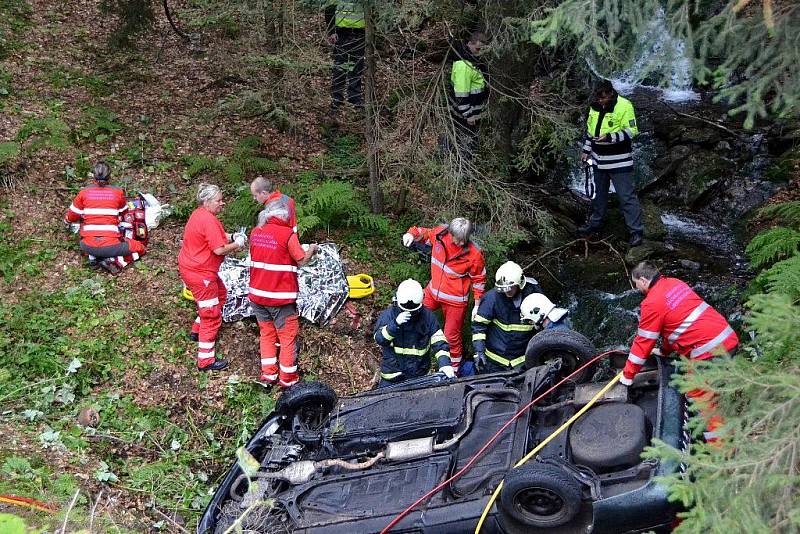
point(625, 381)
point(402, 318)
point(448, 371)
point(407, 239)
point(240, 238)
point(474, 311)
point(480, 361)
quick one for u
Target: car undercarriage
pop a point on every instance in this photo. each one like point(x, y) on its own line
point(322, 464)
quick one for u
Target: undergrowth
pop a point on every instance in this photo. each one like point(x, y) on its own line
point(247, 159)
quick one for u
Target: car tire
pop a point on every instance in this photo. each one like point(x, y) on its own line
point(573, 348)
point(311, 401)
point(540, 495)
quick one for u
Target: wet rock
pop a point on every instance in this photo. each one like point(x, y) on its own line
point(689, 264)
point(647, 250)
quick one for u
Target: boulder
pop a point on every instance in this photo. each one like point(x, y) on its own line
point(648, 249)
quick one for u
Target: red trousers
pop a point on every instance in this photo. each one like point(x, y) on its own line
point(285, 374)
point(706, 402)
point(453, 322)
point(209, 294)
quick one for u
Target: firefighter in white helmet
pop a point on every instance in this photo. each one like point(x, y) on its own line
point(408, 335)
point(498, 334)
point(539, 311)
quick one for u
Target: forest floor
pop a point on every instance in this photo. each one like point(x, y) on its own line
point(74, 338)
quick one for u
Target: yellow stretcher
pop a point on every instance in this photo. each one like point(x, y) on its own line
point(361, 285)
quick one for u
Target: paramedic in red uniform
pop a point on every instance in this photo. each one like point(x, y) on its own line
point(261, 189)
point(100, 209)
point(686, 324)
point(275, 254)
point(205, 244)
point(457, 266)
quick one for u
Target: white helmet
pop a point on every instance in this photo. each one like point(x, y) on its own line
point(508, 275)
point(409, 295)
point(537, 307)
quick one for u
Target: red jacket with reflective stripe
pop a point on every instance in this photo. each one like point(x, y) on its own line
point(99, 210)
point(684, 321)
point(454, 269)
point(273, 273)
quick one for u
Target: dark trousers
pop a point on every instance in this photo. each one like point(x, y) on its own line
point(628, 201)
point(467, 137)
point(348, 67)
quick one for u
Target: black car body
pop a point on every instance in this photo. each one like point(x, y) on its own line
point(351, 465)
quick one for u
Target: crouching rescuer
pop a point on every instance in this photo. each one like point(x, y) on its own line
point(499, 334)
point(686, 324)
point(275, 254)
point(101, 209)
point(408, 335)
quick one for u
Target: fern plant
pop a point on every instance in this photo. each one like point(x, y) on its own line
point(787, 213)
point(337, 204)
point(245, 160)
point(771, 245)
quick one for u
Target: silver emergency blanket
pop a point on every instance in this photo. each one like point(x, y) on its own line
point(323, 287)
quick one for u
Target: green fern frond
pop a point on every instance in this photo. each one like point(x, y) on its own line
point(787, 212)
point(370, 222)
point(234, 172)
point(248, 145)
point(308, 223)
point(259, 164)
point(199, 164)
point(771, 245)
point(784, 277)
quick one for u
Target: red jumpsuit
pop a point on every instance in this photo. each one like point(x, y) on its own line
point(199, 266)
point(100, 209)
point(454, 270)
point(687, 325)
point(274, 253)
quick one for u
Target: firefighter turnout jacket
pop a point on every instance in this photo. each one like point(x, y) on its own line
point(407, 348)
point(498, 330)
point(100, 210)
point(619, 122)
point(469, 88)
point(454, 269)
point(685, 323)
point(273, 268)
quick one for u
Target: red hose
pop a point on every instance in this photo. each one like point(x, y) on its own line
point(488, 444)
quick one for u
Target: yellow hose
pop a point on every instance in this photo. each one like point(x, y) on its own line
point(540, 446)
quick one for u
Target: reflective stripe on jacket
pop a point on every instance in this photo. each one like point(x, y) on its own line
point(273, 271)
point(684, 321)
point(620, 124)
point(99, 210)
point(469, 89)
point(454, 269)
point(498, 330)
point(407, 348)
point(349, 14)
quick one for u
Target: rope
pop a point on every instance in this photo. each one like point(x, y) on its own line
point(547, 440)
point(489, 443)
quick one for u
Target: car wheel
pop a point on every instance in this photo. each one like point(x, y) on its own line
point(540, 495)
point(310, 402)
point(573, 348)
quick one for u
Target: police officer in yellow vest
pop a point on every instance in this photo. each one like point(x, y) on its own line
point(609, 130)
point(345, 23)
point(469, 92)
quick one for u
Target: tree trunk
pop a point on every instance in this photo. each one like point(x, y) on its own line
point(371, 116)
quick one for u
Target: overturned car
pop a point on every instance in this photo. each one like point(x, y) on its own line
point(351, 465)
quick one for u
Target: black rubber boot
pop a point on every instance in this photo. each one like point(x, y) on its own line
point(218, 365)
point(194, 336)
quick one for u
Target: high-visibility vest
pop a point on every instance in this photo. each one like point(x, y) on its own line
point(685, 323)
point(273, 272)
point(349, 14)
point(620, 124)
point(469, 89)
point(100, 210)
